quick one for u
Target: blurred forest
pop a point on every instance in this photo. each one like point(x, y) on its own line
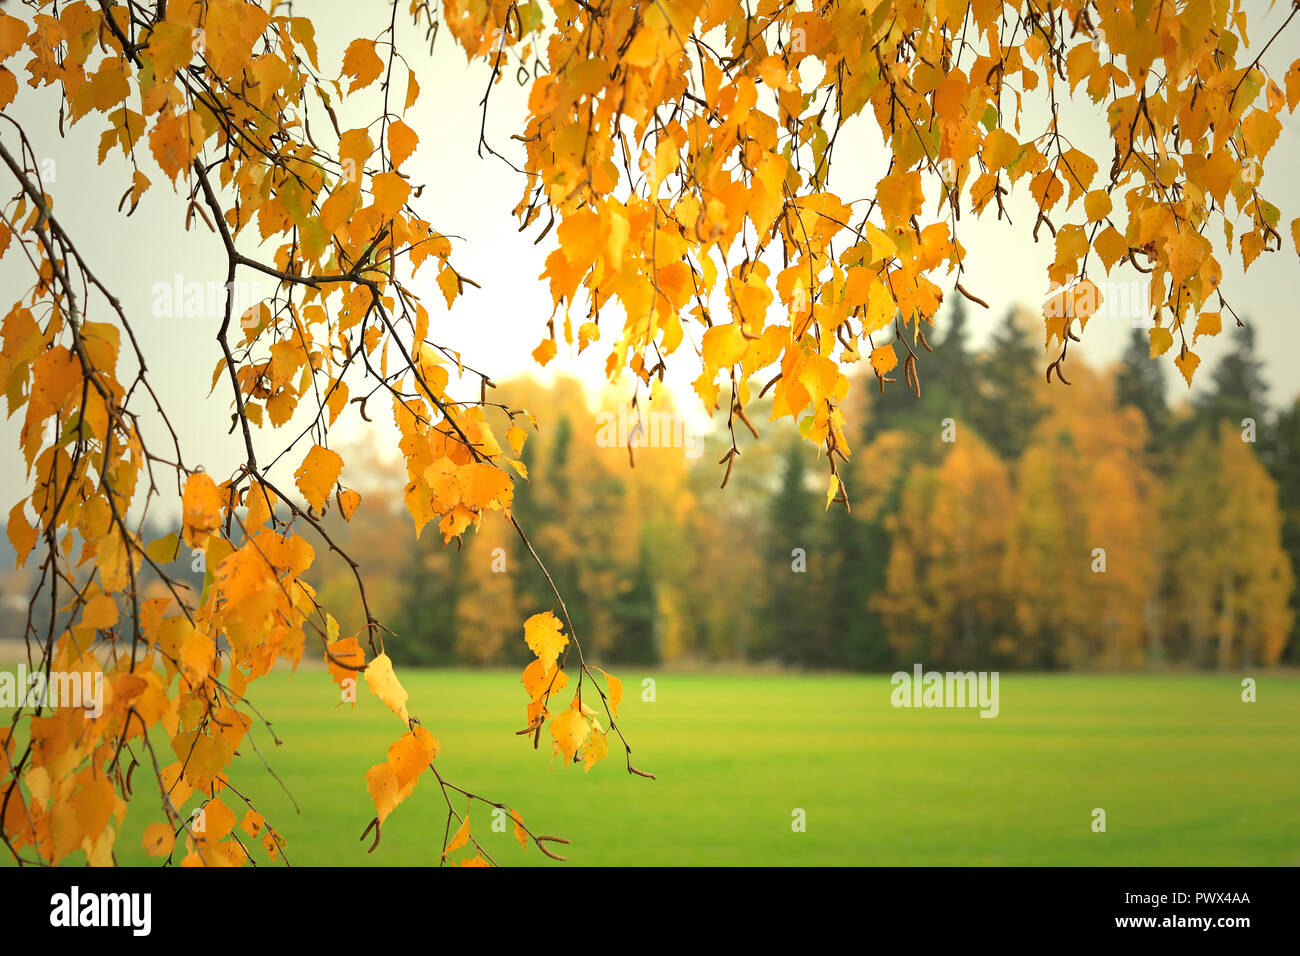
point(976, 550)
point(995, 522)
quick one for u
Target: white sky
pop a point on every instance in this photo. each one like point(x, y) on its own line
point(498, 326)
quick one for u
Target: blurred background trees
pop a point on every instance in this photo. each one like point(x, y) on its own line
point(996, 521)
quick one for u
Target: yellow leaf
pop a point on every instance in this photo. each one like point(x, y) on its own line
point(1085, 299)
point(21, 534)
point(570, 729)
point(1207, 323)
point(362, 63)
point(317, 475)
point(455, 522)
point(1097, 205)
point(1259, 131)
point(1110, 245)
point(163, 551)
point(460, 838)
point(1161, 340)
point(615, 693)
point(665, 162)
point(483, 485)
point(596, 748)
point(100, 612)
point(449, 283)
point(13, 33)
point(543, 634)
point(381, 784)
point(538, 679)
point(218, 820)
point(170, 47)
point(1185, 254)
point(348, 502)
point(724, 346)
point(427, 741)
point(390, 191)
point(883, 359)
point(175, 142)
point(412, 89)
point(158, 839)
point(1187, 361)
point(346, 651)
point(881, 308)
point(252, 823)
point(402, 141)
point(56, 378)
point(544, 352)
point(999, 149)
point(408, 758)
point(200, 508)
point(383, 683)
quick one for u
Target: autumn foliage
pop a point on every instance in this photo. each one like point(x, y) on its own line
point(677, 156)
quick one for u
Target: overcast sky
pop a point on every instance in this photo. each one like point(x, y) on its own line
point(498, 326)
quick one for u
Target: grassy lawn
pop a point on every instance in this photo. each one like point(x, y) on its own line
point(1186, 772)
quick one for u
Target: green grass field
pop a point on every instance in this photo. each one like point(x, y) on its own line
point(1187, 773)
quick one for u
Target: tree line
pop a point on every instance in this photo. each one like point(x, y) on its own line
point(994, 521)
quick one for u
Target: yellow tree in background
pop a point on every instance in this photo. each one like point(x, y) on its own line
point(486, 609)
point(1122, 521)
point(1257, 577)
point(1081, 562)
point(943, 597)
point(1231, 577)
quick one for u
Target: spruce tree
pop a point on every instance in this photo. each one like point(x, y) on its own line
point(1006, 407)
point(1141, 383)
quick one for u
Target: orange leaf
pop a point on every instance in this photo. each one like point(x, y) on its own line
point(883, 359)
point(1207, 323)
point(348, 502)
point(158, 839)
point(615, 692)
point(317, 475)
point(538, 679)
point(544, 352)
point(362, 63)
point(381, 783)
point(402, 141)
point(460, 838)
point(1187, 361)
point(408, 758)
point(200, 508)
point(346, 651)
point(390, 191)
